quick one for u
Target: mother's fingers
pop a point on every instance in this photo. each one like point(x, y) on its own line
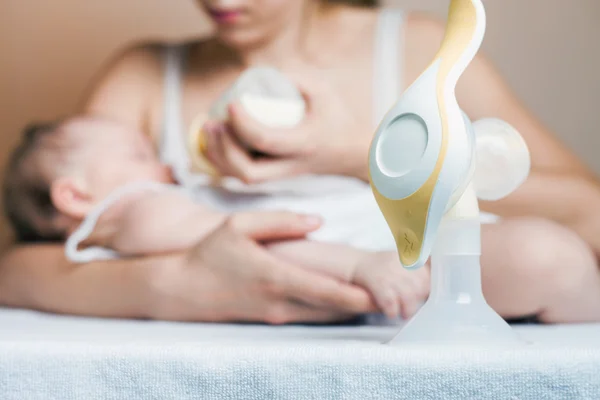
point(251, 170)
point(291, 282)
point(231, 159)
point(276, 142)
point(235, 157)
point(215, 151)
point(273, 225)
point(322, 291)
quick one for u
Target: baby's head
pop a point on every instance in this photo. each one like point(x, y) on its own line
point(59, 172)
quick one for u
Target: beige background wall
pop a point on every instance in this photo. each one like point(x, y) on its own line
point(547, 49)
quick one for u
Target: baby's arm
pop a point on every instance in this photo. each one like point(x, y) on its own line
point(394, 289)
point(162, 222)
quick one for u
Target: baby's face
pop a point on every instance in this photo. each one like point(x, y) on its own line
point(112, 155)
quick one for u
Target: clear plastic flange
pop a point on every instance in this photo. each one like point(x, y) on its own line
point(456, 311)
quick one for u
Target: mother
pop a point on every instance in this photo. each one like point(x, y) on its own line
point(351, 60)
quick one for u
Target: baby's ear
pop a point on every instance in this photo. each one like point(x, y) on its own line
point(70, 197)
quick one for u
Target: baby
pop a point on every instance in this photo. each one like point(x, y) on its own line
point(100, 185)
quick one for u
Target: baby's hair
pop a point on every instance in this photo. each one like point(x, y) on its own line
point(26, 190)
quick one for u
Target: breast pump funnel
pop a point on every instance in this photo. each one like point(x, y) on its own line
point(456, 311)
point(421, 164)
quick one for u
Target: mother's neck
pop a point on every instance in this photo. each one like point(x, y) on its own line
point(299, 39)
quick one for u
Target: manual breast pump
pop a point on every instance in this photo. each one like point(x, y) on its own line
point(428, 166)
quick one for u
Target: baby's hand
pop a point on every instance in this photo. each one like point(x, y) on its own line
point(395, 289)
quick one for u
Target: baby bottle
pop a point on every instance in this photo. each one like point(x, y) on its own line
point(266, 94)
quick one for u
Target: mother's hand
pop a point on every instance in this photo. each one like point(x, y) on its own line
point(330, 140)
point(229, 276)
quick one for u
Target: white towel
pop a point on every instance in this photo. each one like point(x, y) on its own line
point(45, 357)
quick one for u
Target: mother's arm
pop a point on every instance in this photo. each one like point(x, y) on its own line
point(208, 282)
point(560, 187)
point(39, 277)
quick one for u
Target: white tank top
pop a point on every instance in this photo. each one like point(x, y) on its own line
point(338, 199)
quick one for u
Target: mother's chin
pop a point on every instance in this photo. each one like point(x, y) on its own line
point(241, 39)
point(253, 24)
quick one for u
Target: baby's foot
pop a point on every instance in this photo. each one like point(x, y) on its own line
point(395, 289)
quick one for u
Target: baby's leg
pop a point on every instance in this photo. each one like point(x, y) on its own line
point(394, 289)
point(537, 267)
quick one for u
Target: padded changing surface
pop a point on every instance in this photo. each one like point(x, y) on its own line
point(54, 357)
